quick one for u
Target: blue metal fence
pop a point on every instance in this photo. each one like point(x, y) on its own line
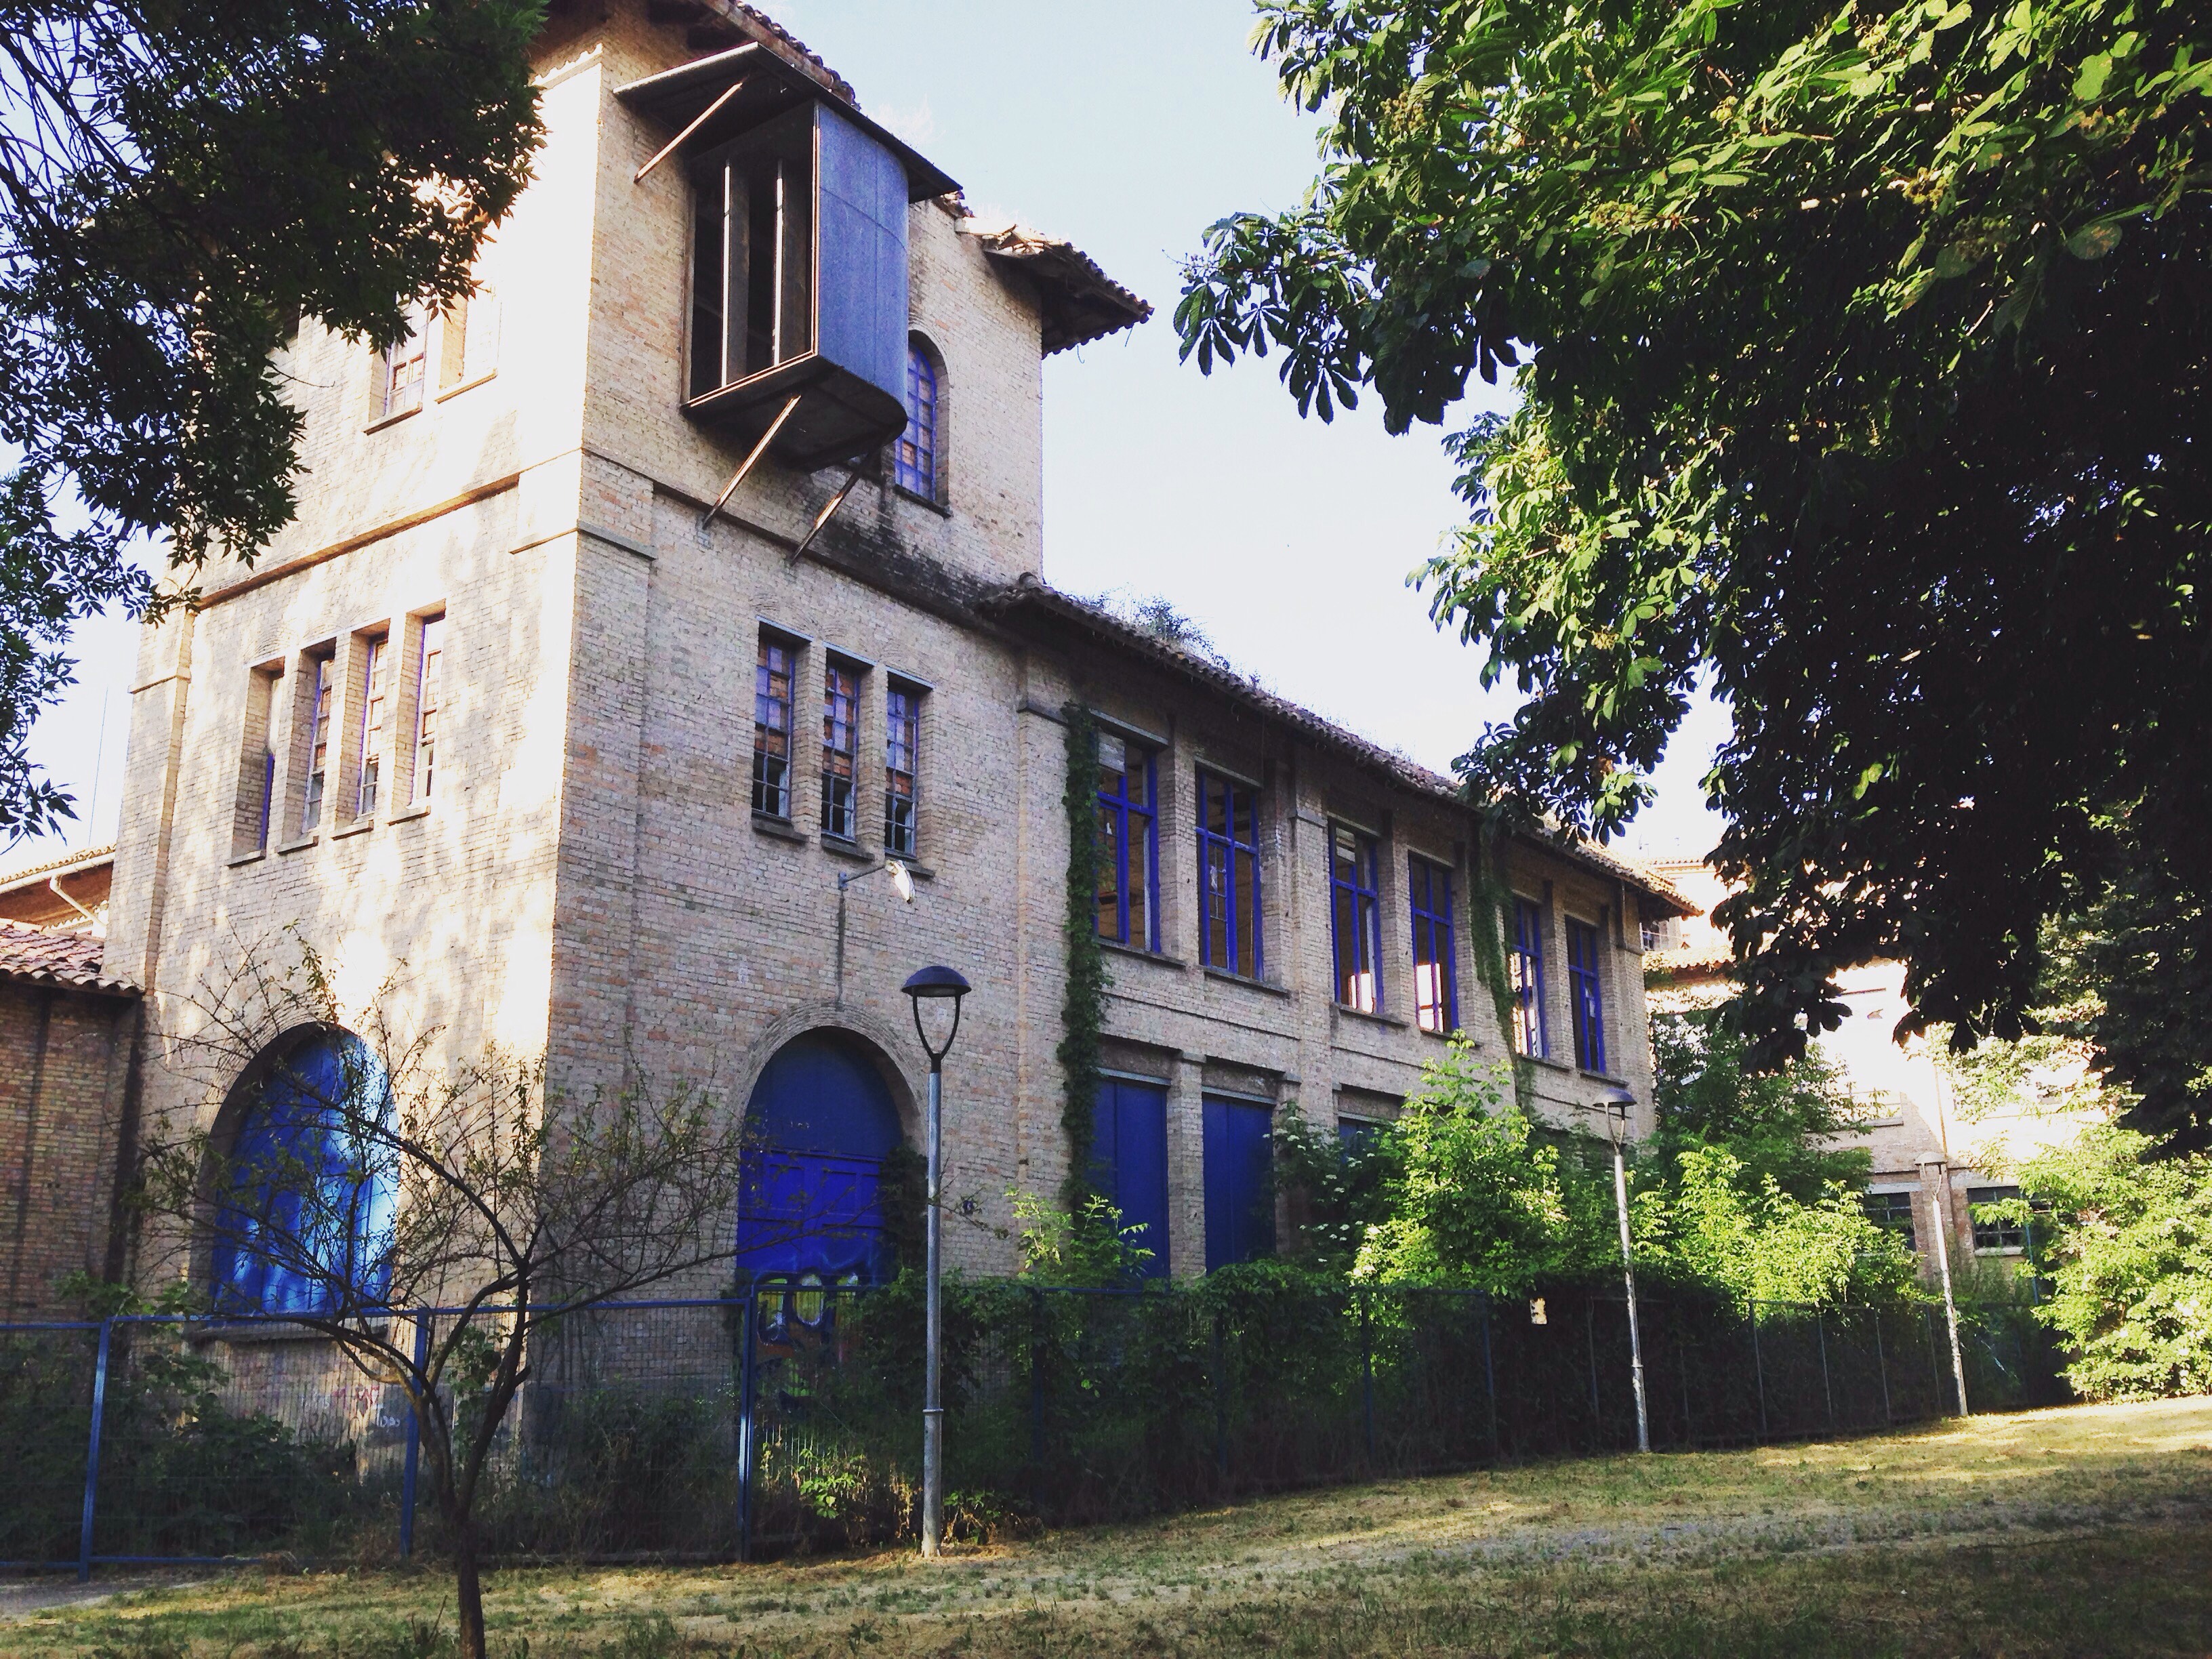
point(789, 1416)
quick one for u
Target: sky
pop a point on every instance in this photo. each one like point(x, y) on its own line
point(1128, 131)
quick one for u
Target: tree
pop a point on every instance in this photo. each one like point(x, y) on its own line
point(2127, 1244)
point(1861, 357)
point(1778, 1123)
point(374, 1180)
point(178, 185)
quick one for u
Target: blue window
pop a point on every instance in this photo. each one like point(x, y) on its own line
point(1355, 920)
point(772, 728)
point(304, 1225)
point(1584, 980)
point(1229, 875)
point(1357, 1134)
point(1531, 1036)
point(901, 756)
point(1129, 1163)
point(1240, 1185)
point(1435, 969)
point(819, 1124)
point(1129, 844)
point(841, 745)
point(915, 467)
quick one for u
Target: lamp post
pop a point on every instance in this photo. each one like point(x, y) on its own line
point(1615, 1104)
point(901, 878)
point(934, 985)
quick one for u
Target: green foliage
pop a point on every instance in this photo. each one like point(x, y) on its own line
point(2126, 1247)
point(1083, 1002)
point(1085, 1246)
point(1740, 1233)
point(1774, 1123)
point(178, 185)
point(1338, 1189)
point(1861, 374)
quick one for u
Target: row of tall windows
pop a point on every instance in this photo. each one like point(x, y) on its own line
point(466, 332)
point(363, 732)
point(776, 678)
point(1231, 871)
point(1525, 972)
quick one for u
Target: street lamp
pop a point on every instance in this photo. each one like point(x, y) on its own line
point(1616, 1104)
point(936, 986)
point(901, 878)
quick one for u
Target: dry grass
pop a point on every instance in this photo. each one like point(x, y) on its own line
point(2085, 1531)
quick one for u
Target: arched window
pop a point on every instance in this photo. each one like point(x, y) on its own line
point(919, 467)
point(303, 1212)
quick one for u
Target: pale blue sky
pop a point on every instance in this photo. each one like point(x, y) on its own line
point(1128, 130)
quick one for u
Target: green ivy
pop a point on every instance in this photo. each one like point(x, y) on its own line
point(1083, 1004)
point(1493, 904)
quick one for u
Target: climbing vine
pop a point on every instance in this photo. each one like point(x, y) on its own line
point(1493, 903)
point(1083, 1006)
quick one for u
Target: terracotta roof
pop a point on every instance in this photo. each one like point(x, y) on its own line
point(1029, 594)
point(1082, 302)
point(49, 955)
point(68, 864)
point(719, 23)
point(1692, 961)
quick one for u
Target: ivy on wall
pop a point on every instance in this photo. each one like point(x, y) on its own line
point(1083, 1004)
point(1494, 905)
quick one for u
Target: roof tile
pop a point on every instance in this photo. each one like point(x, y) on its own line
point(49, 955)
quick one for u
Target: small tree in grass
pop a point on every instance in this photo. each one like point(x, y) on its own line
point(347, 1174)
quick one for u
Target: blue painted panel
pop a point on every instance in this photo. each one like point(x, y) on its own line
point(862, 301)
point(822, 1121)
point(1129, 1163)
point(306, 1225)
point(1240, 1195)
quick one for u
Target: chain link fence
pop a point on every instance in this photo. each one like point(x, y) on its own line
point(790, 1417)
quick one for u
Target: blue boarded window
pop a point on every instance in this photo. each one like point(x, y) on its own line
point(1585, 982)
point(304, 1222)
point(1240, 1181)
point(1355, 920)
point(772, 672)
point(902, 759)
point(1435, 967)
point(1531, 1036)
point(1129, 844)
point(916, 464)
point(1229, 875)
point(1129, 1163)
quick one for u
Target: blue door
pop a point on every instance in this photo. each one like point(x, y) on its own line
point(1240, 1188)
point(1129, 1163)
point(821, 1121)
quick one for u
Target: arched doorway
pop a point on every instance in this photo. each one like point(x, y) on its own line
point(822, 1120)
point(304, 1197)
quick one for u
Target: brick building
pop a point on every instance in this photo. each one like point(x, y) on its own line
point(513, 718)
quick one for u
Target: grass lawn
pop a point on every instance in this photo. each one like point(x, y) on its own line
point(2082, 1531)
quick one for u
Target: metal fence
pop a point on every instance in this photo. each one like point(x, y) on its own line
point(790, 1416)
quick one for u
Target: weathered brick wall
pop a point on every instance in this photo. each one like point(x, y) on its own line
point(60, 1108)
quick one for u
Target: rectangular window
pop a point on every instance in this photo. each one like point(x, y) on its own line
point(1994, 1237)
point(752, 260)
point(772, 672)
point(256, 765)
point(1229, 875)
point(402, 371)
point(1892, 1212)
point(841, 741)
point(901, 758)
point(1129, 1163)
point(468, 346)
point(317, 748)
point(1587, 985)
point(1129, 844)
point(1356, 919)
point(430, 667)
point(1237, 1145)
point(1531, 1034)
point(1436, 968)
point(373, 655)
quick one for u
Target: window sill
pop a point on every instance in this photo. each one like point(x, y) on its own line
point(1160, 957)
point(420, 810)
point(254, 857)
point(468, 385)
point(1601, 1077)
point(767, 823)
point(1390, 1020)
point(392, 420)
point(238, 1333)
point(920, 500)
point(301, 844)
point(1227, 977)
point(355, 828)
point(853, 852)
point(1546, 1061)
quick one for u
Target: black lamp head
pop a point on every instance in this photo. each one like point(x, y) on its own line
point(938, 982)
